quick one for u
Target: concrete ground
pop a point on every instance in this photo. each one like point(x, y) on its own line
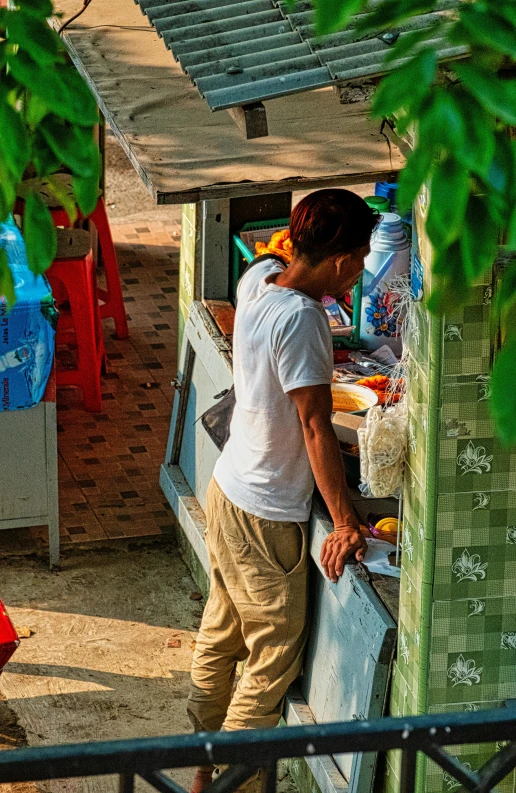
point(113, 636)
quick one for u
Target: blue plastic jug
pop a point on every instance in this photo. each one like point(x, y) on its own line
point(27, 330)
point(390, 256)
point(387, 190)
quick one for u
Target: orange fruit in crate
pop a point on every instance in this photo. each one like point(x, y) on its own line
point(278, 238)
point(279, 244)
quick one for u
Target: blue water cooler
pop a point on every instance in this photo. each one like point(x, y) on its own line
point(27, 329)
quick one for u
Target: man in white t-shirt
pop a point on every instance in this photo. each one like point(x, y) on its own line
point(281, 439)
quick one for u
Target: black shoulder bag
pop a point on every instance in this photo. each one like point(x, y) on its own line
point(217, 419)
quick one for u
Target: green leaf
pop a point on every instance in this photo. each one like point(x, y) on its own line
point(455, 123)
point(74, 146)
point(64, 197)
point(407, 42)
point(450, 283)
point(86, 190)
point(444, 118)
point(61, 87)
point(44, 159)
point(8, 186)
point(5, 205)
point(35, 36)
point(494, 94)
point(6, 280)
point(448, 198)
point(500, 181)
point(506, 9)
point(333, 15)
point(511, 231)
point(406, 86)
point(40, 234)
point(487, 29)
point(4, 50)
point(393, 12)
point(39, 8)
point(415, 172)
point(479, 238)
point(479, 142)
point(503, 393)
point(36, 111)
point(14, 140)
point(505, 294)
point(85, 106)
point(10, 89)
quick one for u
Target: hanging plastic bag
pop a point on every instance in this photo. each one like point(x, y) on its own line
point(383, 444)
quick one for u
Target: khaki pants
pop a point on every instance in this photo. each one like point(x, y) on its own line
point(256, 611)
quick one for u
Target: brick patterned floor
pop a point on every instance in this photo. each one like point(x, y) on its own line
point(109, 463)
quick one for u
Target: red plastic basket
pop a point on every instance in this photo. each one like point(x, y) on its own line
point(9, 640)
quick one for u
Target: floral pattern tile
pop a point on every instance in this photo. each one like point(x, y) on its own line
point(476, 463)
point(475, 554)
point(484, 568)
point(465, 409)
point(467, 338)
point(417, 440)
point(391, 781)
point(473, 651)
point(420, 237)
point(413, 631)
point(473, 758)
point(418, 339)
point(413, 537)
point(403, 697)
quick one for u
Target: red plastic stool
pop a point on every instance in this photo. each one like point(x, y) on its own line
point(73, 281)
point(9, 640)
point(112, 301)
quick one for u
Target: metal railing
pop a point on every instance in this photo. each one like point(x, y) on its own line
point(248, 751)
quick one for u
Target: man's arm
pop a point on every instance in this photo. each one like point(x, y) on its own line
point(314, 405)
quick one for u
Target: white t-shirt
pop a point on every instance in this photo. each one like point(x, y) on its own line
point(281, 341)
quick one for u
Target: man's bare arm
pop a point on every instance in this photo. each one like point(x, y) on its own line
point(314, 405)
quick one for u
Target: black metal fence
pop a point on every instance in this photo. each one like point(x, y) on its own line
point(248, 751)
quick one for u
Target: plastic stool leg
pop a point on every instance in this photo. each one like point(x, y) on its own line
point(79, 279)
point(113, 300)
point(88, 332)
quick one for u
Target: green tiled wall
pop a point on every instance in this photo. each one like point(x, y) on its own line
point(438, 781)
point(467, 338)
point(457, 622)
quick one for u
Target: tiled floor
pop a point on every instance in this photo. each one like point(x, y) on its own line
point(109, 463)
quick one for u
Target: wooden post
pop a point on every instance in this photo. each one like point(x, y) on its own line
point(251, 119)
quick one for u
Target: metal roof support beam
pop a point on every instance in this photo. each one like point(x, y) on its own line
point(251, 119)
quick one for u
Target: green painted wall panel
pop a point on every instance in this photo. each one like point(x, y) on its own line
point(457, 627)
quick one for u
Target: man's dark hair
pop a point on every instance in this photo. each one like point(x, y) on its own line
point(330, 222)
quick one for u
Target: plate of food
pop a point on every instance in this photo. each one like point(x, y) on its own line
point(351, 398)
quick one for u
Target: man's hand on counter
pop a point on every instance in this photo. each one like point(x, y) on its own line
point(342, 543)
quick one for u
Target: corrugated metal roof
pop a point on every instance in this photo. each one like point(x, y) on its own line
point(242, 51)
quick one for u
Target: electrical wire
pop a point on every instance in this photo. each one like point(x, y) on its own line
point(121, 27)
point(85, 4)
